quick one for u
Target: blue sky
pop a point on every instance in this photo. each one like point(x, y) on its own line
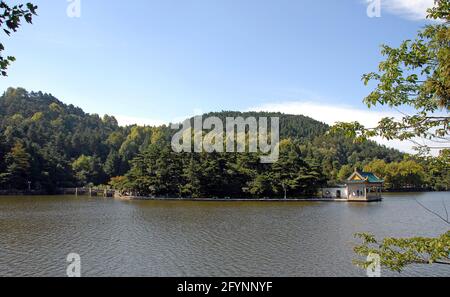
point(151, 61)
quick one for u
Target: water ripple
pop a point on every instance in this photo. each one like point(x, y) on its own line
point(146, 238)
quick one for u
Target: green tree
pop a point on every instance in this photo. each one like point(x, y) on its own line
point(157, 172)
point(378, 167)
point(438, 171)
point(11, 18)
point(113, 164)
point(87, 170)
point(345, 172)
point(17, 170)
point(168, 172)
point(407, 174)
point(56, 134)
point(49, 169)
point(3, 152)
point(120, 183)
point(290, 176)
point(397, 253)
point(261, 185)
point(115, 140)
point(416, 75)
point(287, 172)
point(137, 141)
point(412, 174)
point(245, 168)
point(192, 176)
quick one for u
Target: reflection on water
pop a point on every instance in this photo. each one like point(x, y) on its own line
point(147, 238)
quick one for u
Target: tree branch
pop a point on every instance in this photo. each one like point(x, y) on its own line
point(433, 212)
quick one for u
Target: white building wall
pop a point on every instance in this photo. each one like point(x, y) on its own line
point(333, 193)
point(356, 191)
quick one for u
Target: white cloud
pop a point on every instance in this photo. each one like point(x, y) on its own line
point(411, 9)
point(329, 114)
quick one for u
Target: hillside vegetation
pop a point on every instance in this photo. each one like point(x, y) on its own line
point(46, 144)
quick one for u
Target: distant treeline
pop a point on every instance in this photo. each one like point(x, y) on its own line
point(46, 145)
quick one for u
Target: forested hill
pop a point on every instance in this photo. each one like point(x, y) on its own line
point(291, 126)
point(50, 144)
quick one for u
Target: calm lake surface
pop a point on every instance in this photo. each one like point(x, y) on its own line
point(146, 238)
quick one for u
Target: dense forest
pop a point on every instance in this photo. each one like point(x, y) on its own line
point(46, 145)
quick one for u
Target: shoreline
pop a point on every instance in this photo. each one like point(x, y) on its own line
point(134, 198)
point(262, 200)
point(110, 193)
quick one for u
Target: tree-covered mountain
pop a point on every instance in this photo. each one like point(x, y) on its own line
point(65, 146)
point(46, 144)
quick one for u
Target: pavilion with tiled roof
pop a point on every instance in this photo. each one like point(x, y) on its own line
point(364, 186)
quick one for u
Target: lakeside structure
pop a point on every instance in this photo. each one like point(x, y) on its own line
point(360, 186)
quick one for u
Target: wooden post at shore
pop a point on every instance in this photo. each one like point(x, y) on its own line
point(90, 192)
point(76, 191)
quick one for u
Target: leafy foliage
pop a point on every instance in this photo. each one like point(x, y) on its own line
point(396, 254)
point(55, 135)
point(11, 18)
point(415, 75)
point(160, 172)
point(67, 148)
point(17, 167)
point(413, 173)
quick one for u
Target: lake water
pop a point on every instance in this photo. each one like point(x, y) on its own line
point(147, 238)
